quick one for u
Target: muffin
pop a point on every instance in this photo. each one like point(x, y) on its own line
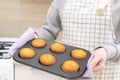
point(70, 66)
point(78, 54)
point(38, 43)
point(26, 53)
point(57, 47)
point(47, 59)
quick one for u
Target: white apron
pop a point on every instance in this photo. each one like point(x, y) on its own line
point(83, 28)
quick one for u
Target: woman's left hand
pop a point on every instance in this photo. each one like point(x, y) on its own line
point(99, 59)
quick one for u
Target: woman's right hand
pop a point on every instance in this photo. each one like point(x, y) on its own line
point(27, 36)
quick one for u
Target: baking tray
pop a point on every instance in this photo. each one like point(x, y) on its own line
point(60, 59)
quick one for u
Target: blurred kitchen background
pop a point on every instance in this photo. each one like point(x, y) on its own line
point(17, 15)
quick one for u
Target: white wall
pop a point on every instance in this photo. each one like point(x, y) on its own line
point(17, 15)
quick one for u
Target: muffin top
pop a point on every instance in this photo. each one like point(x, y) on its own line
point(47, 59)
point(57, 47)
point(38, 43)
point(26, 53)
point(78, 54)
point(70, 66)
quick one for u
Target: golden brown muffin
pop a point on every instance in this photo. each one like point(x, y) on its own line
point(78, 54)
point(26, 53)
point(57, 47)
point(47, 59)
point(38, 43)
point(70, 66)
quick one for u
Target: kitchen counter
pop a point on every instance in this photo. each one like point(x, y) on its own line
point(24, 72)
point(6, 69)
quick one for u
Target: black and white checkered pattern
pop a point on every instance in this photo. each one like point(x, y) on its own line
point(83, 28)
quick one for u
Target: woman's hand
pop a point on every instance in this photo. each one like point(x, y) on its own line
point(27, 36)
point(99, 59)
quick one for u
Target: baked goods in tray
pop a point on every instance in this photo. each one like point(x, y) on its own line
point(27, 53)
point(47, 59)
point(54, 57)
point(57, 47)
point(79, 54)
point(38, 43)
point(70, 66)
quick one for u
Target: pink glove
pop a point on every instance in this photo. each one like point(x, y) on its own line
point(89, 72)
point(27, 36)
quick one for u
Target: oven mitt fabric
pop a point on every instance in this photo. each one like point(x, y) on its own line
point(89, 72)
point(27, 36)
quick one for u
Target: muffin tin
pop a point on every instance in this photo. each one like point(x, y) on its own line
point(61, 58)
